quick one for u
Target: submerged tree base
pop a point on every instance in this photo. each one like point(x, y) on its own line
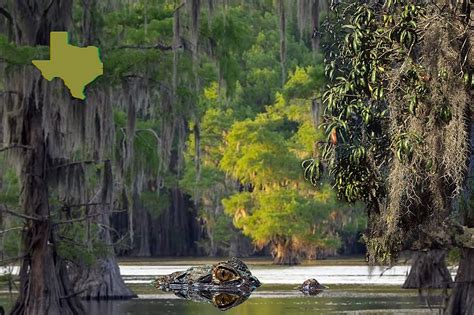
point(102, 281)
point(462, 296)
point(429, 271)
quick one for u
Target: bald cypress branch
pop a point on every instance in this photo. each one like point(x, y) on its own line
point(6, 14)
point(5, 209)
point(78, 162)
point(16, 146)
point(158, 46)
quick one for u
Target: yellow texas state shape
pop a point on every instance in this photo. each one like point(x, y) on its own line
point(76, 66)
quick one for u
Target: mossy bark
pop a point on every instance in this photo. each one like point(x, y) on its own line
point(44, 285)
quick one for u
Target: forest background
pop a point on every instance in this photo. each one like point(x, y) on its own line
point(212, 116)
point(220, 128)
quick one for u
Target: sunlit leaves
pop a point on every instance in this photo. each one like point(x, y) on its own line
point(258, 153)
point(267, 215)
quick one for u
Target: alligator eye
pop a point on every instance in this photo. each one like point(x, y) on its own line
point(223, 274)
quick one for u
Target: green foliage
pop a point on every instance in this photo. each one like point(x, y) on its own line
point(145, 143)
point(14, 55)
point(210, 176)
point(10, 189)
point(76, 245)
point(388, 117)
point(266, 216)
point(253, 132)
point(302, 83)
point(230, 34)
point(155, 203)
point(258, 153)
point(11, 240)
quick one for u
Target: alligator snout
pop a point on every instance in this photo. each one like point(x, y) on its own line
point(254, 282)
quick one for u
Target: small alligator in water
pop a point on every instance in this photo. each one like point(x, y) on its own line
point(311, 287)
point(228, 275)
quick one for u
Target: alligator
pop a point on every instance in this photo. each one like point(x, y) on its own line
point(311, 287)
point(230, 275)
point(225, 284)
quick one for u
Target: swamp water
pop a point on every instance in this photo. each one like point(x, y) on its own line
point(353, 289)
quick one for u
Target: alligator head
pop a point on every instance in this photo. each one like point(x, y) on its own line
point(227, 276)
point(311, 287)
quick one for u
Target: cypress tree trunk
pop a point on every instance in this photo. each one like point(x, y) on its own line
point(102, 280)
point(175, 232)
point(44, 285)
point(143, 234)
point(315, 21)
point(461, 301)
point(428, 270)
point(284, 253)
point(281, 10)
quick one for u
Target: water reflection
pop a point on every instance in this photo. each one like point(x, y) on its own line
point(283, 303)
point(222, 300)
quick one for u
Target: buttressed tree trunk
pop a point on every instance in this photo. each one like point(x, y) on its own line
point(44, 286)
point(429, 271)
point(102, 280)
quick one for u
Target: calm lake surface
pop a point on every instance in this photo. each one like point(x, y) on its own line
point(353, 289)
point(269, 306)
point(270, 274)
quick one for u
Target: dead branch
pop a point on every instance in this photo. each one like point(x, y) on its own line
point(11, 229)
point(153, 132)
point(78, 162)
point(108, 227)
point(85, 205)
point(5, 209)
point(120, 240)
point(81, 218)
point(14, 259)
point(118, 210)
point(16, 146)
point(179, 7)
point(158, 46)
point(6, 14)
